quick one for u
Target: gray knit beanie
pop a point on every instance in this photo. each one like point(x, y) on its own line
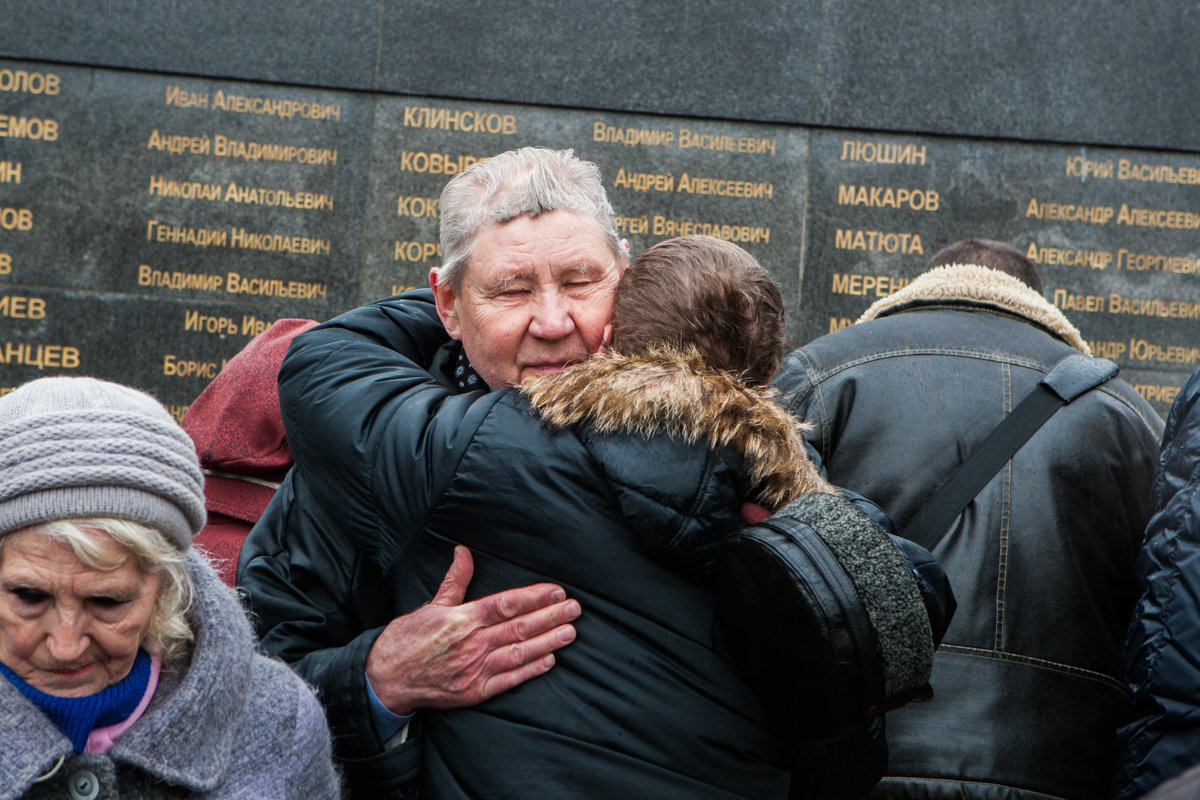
point(82, 447)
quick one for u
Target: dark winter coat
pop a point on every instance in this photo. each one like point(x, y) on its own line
point(644, 703)
point(1162, 737)
point(1027, 684)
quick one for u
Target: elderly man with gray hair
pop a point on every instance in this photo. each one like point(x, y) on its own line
point(399, 460)
point(545, 258)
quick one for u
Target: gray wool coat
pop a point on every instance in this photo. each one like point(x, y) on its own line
point(230, 724)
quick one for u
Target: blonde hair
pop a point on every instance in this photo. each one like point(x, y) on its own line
point(169, 634)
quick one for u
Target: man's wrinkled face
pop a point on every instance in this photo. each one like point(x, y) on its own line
point(535, 296)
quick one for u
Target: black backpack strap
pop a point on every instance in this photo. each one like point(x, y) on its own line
point(1069, 378)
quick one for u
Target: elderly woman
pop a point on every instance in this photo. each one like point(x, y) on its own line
point(128, 668)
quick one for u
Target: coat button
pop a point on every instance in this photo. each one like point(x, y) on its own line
point(83, 785)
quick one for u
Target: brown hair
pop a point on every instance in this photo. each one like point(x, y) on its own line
point(995, 255)
point(702, 293)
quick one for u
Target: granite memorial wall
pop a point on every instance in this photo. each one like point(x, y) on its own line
point(151, 222)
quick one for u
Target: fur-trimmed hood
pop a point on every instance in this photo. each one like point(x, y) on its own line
point(977, 285)
point(673, 393)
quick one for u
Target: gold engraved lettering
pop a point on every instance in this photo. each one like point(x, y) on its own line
point(235, 283)
point(720, 187)
point(18, 307)
point(1106, 349)
point(418, 207)
point(10, 171)
point(1142, 350)
point(42, 356)
point(252, 325)
point(233, 193)
point(19, 80)
point(284, 109)
point(644, 181)
point(178, 144)
point(208, 323)
point(181, 234)
point(878, 285)
point(725, 142)
point(1069, 301)
point(878, 241)
point(1156, 173)
point(224, 147)
point(888, 197)
point(182, 98)
point(179, 281)
point(34, 128)
point(1157, 393)
point(1157, 262)
point(1151, 307)
point(1069, 257)
point(649, 137)
point(176, 367)
point(16, 219)
point(634, 225)
point(465, 121)
point(435, 163)
point(416, 251)
point(1158, 218)
point(187, 190)
point(1080, 167)
point(255, 195)
point(662, 226)
point(1095, 215)
point(883, 152)
point(276, 243)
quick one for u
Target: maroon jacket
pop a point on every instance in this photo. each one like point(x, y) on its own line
point(238, 431)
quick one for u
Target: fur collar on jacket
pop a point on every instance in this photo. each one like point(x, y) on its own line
point(672, 393)
point(971, 283)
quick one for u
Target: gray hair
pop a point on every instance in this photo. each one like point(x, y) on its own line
point(529, 180)
point(169, 634)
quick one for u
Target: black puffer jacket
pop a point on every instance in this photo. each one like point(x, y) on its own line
point(644, 703)
point(1162, 737)
point(1027, 684)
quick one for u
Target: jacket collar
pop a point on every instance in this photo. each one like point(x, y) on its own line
point(187, 735)
point(972, 284)
point(672, 393)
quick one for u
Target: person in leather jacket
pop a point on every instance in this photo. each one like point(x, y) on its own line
point(1028, 681)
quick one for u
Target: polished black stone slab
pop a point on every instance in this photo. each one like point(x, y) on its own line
point(318, 42)
point(1100, 72)
point(1093, 71)
point(170, 348)
point(665, 176)
point(1113, 232)
point(750, 60)
point(158, 185)
point(238, 202)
